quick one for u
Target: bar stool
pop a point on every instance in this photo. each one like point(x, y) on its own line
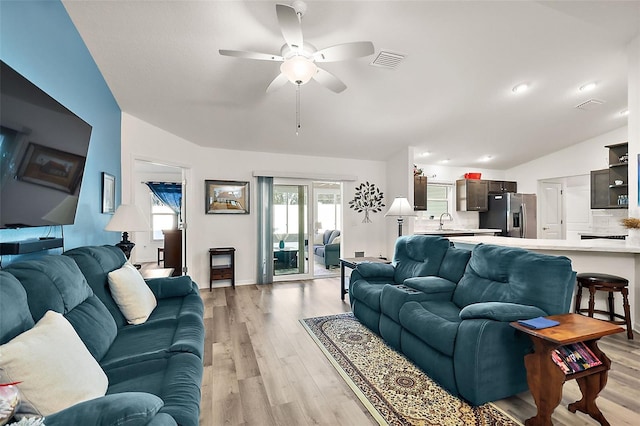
point(160, 255)
point(611, 284)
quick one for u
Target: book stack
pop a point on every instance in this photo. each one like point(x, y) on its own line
point(575, 357)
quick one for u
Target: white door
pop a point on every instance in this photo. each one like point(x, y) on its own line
point(551, 210)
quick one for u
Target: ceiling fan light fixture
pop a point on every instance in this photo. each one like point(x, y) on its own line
point(298, 70)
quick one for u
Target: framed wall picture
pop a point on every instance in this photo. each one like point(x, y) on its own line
point(226, 197)
point(108, 193)
point(51, 167)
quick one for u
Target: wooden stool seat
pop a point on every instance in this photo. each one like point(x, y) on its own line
point(610, 284)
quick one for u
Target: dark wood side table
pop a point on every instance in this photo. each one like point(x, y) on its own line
point(225, 271)
point(352, 262)
point(545, 378)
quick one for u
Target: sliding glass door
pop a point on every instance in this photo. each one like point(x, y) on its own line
point(290, 230)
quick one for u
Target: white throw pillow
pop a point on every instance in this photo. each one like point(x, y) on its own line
point(336, 240)
point(53, 365)
point(132, 294)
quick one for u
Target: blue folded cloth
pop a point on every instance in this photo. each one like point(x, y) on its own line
point(539, 322)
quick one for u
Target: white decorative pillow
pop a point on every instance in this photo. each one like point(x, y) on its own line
point(336, 240)
point(54, 367)
point(318, 240)
point(132, 294)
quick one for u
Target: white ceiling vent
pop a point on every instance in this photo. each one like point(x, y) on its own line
point(590, 104)
point(386, 59)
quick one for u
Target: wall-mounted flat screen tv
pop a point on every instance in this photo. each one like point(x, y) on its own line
point(43, 150)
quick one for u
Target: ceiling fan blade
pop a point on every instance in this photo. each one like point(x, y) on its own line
point(329, 81)
point(251, 55)
point(290, 26)
point(340, 52)
point(277, 83)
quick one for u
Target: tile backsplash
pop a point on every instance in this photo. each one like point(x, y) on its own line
point(608, 220)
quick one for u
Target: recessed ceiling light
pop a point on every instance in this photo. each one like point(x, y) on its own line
point(588, 86)
point(624, 112)
point(486, 158)
point(445, 161)
point(425, 154)
point(522, 87)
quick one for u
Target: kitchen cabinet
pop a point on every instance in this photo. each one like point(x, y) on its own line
point(618, 171)
point(609, 187)
point(472, 195)
point(600, 189)
point(502, 186)
point(420, 193)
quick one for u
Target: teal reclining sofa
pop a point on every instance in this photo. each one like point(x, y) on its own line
point(450, 312)
point(154, 369)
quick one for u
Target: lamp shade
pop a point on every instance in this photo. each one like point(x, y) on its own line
point(128, 218)
point(400, 207)
point(298, 70)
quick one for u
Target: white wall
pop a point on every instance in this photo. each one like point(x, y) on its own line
point(578, 159)
point(399, 184)
point(140, 140)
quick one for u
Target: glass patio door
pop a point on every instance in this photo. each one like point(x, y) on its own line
point(290, 225)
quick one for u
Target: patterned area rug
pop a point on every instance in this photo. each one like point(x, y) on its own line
point(395, 391)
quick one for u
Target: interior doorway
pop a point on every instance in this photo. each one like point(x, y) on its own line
point(150, 248)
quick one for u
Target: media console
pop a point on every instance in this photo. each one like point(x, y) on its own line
point(30, 246)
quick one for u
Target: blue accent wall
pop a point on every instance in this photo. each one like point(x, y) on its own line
point(39, 40)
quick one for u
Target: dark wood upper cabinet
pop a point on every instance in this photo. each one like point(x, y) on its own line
point(420, 193)
point(472, 195)
point(600, 189)
point(501, 186)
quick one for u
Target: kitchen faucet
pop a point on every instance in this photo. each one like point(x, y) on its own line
point(441, 216)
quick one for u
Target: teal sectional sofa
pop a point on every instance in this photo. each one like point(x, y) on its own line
point(450, 312)
point(154, 369)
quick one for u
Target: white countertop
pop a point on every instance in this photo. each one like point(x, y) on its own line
point(594, 245)
point(452, 231)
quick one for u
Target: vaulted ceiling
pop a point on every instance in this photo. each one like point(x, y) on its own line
point(451, 95)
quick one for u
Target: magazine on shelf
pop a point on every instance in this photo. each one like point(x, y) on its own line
point(575, 357)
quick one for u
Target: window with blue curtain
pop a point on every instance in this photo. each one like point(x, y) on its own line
point(170, 193)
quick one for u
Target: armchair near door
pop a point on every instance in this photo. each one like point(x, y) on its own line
point(327, 252)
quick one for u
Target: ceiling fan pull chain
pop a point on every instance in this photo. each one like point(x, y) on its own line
point(297, 108)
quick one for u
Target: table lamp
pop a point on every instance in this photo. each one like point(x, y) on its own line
point(400, 208)
point(128, 217)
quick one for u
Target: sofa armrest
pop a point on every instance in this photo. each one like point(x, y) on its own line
point(375, 270)
point(500, 311)
point(167, 287)
point(333, 247)
point(127, 408)
point(431, 285)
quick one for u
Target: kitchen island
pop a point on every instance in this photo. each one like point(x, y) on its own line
point(616, 257)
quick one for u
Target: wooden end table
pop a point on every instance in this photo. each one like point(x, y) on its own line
point(545, 378)
point(352, 262)
point(225, 271)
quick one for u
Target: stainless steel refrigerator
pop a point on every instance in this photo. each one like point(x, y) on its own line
point(513, 213)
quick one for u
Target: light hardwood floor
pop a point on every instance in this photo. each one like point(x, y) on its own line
point(262, 368)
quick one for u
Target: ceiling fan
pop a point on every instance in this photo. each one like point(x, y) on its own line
point(299, 58)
